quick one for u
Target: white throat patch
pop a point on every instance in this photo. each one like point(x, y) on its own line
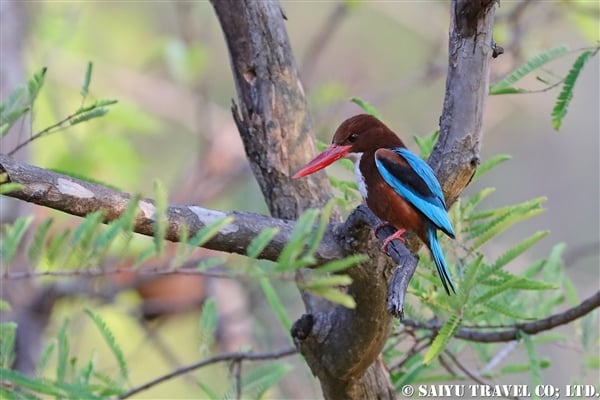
point(360, 181)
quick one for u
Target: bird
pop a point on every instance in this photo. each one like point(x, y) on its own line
point(397, 185)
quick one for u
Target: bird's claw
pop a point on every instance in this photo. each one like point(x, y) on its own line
point(397, 235)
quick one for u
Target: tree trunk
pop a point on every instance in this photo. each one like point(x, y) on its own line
point(340, 345)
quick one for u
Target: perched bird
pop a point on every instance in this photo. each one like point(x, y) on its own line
point(397, 185)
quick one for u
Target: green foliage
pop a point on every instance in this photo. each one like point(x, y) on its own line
point(426, 143)
point(161, 202)
point(20, 101)
point(489, 292)
point(505, 85)
point(368, 108)
point(564, 98)
point(441, 339)
point(112, 344)
point(11, 238)
point(70, 382)
point(208, 325)
point(7, 343)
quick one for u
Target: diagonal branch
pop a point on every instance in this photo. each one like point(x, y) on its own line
point(235, 357)
point(531, 328)
point(78, 197)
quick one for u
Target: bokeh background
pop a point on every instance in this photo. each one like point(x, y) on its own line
point(167, 64)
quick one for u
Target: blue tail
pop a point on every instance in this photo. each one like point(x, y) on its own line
point(438, 257)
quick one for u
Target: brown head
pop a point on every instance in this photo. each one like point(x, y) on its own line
point(361, 133)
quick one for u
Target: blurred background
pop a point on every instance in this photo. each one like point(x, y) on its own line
point(167, 65)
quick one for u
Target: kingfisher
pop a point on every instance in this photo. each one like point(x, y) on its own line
point(397, 185)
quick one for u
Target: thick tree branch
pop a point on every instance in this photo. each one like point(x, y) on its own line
point(340, 345)
point(77, 197)
point(456, 154)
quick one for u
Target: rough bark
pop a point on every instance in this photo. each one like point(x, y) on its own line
point(341, 346)
point(338, 344)
point(470, 49)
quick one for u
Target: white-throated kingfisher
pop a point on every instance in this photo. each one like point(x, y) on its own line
point(397, 185)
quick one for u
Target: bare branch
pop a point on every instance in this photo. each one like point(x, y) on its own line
point(530, 328)
point(235, 357)
point(77, 197)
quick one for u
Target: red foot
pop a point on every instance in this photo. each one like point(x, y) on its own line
point(397, 235)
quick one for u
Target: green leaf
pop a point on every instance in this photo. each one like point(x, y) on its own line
point(43, 386)
point(208, 324)
point(208, 263)
point(518, 249)
point(317, 234)
point(210, 392)
point(505, 309)
point(534, 362)
point(342, 264)
point(333, 295)
point(295, 246)
point(258, 380)
point(508, 282)
point(84, 233)
point(566, 95)
point(15, 106)
point(144, 256)
point(35, 85)
point(8, 331)
point(490, 163)
point(258, 244)
point(161, 222)
point(38, 242)
point(368, 108)
point(4, 305)
point(111, 342)
point(325, 281)
point(123, 224)
point(508, 90)
point(85, 89)
point(88, 115)
point(530, 65)
point(508, 216)
point(9, 187)
point(63, 352)
point(45, 357)
point(275, 303)
point(441, 339)
point(210, 230)
point(475, 200)
point(11, 238)
point(427, 143)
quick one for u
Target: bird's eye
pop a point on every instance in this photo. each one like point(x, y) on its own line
point(352, 138)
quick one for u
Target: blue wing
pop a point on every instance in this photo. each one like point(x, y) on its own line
point(415, 181)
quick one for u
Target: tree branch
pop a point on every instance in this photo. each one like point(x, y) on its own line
point(77, 197)
point(530, 328)
point(235, 357)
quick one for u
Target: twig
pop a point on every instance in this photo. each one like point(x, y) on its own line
point(237, 368)
point(417, 347)
point(446, 366)
point(235, 357)
point(531, 328)
point(502, 354)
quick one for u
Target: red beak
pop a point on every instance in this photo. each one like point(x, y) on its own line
point(330, 155)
